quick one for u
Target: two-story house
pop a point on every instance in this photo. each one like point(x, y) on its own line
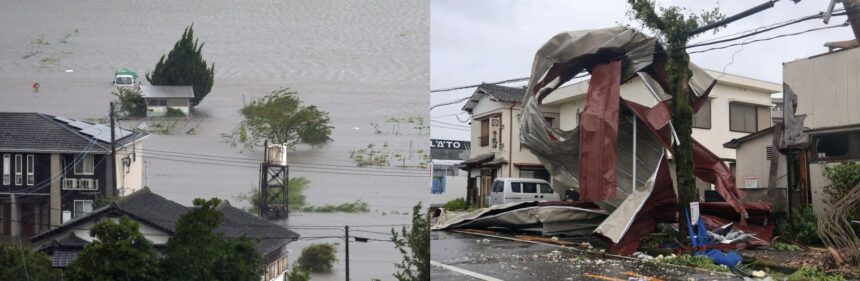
point(496, 150)
point(55, 168)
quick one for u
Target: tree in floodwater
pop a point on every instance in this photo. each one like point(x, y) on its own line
point(282, 118)
point(675, 29)
point(184, 65)
point(414, 245)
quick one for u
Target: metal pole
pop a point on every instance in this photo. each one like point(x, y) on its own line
point(728, 20)
point(113, 150)
point(634, 154)
point(346, 237)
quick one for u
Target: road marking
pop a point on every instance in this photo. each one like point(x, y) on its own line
point(464, 271)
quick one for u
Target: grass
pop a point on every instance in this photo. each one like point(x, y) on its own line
point(355, 207)
point(779, 246)
point(701, 262)
point(459, 205)
point(808, 273)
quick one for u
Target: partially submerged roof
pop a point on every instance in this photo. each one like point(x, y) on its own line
point(36, 132)
point(496, 92)
point(150, 208)
point(167, 91)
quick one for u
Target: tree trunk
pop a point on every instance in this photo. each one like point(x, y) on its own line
point(679, 75)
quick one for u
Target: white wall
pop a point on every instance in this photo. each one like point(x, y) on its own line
point(455, 187)
point(826, 88)
point(157, 237)
point(129, 179)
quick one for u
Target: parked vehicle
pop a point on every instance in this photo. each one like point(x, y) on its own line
point(507, 190)
point(125, 77)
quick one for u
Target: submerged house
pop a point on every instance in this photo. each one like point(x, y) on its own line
point(161, 98)
point(157, 217)
point(55, 168)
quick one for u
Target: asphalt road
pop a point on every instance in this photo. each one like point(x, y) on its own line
point(501, 259)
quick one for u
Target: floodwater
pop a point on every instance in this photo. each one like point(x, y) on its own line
point(361, 61)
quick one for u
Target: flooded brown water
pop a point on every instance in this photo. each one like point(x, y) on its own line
point(361, 61)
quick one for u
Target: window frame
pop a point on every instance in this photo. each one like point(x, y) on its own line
point(518, 189)
point(19, 169)
point(87, 158)
point(7, 169)
point(484, 137)
point(534, 185)
point(706, 105)
point(75, 213)
point(732, 110)
point(31, 169)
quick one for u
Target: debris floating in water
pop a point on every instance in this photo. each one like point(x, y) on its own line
point(70, 70)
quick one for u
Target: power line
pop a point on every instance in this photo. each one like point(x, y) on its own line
point(513, 80)
point(371, 173)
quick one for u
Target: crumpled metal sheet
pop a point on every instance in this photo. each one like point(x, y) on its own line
point(598, 132)
point(549, 219)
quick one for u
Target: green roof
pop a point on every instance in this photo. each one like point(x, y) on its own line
point(126, 71)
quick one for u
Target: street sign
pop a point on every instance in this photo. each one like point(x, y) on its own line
point(694, 212)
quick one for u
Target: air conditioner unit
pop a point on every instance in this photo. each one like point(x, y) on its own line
point(495, 134)
point(70, 183)
point(88, 184)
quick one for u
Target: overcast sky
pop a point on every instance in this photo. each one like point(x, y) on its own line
point(487, 41)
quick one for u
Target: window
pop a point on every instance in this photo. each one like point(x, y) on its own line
point(70, 184)
point(516, 187)
point(527, 174)
point(7, 169)
point(742, 117)
point(31, 170)
point(485, 132)
point(529, 187)
point(19, 170)
point(549, 121)
point(85, 166)
point(702, 119)
point(544, 188)
point(157, 102)
point(438, 186)
point(836, 146)
point(83, 207)
point(498, 186)
point(88, 184)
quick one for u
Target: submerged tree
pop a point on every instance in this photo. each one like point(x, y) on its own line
point(676, 29)
point(414, 245)
point(184, 65)
point(281, 118)
point(120, 252)
point(130, 102)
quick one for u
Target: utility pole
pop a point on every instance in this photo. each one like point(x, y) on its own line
point(113, 151)
point(346, 238)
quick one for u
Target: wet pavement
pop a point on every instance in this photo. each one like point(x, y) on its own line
point(516, 260)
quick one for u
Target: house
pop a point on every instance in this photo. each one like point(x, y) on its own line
point(736, 107)
point(161, 98)
point(445, 158)
point(157, 217)
point(776, 112)
point(496, 150)
point(826, 93)
point(54, 168)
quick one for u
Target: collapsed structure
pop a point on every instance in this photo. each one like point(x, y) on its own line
point(618, 156)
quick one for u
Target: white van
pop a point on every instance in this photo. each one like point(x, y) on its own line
point(507, 190)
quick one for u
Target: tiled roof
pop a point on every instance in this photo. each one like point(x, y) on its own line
point(151, 208)
point(36, 132)
point(497, 92)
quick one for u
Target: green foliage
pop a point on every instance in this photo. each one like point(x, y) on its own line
point(355, 207)
point(808, 273)
point(120, 252)
point(702, 262)
point(173, 112)
point(104, 201)
point(184, 65)
point(295, 196)
point(130, 102)
point(298, 274)
point(318, 257)
point(414, 245)
point(196, 252)
point(281, 118)
point(801, 227)
point(19, 263)
point(785, 247)
point(843, 178)
point(459, 204)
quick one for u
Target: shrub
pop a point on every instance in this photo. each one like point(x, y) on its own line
point(318, 257)
point(130, 102)
point(702, 262)
point(298, 274)
point(459, 204)
point(173, 112)
point(801, 227)
point(843, 178)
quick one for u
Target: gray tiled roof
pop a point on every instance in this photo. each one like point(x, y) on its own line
point(497, 92)
point(36, 132)
point(503, 93)
point(167, 92)
point(145, 206)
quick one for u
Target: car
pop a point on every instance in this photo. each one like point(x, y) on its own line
point(508, 190)
point(125, 77)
